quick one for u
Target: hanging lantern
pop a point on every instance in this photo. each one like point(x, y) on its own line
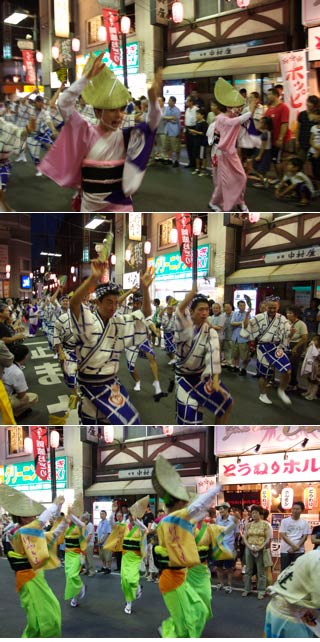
point(8, 268)
point(310, 498)
point(8, 275)
point(128, 255)
point(39, 56)
point(72, 269)
point(108, 434)
point(177, 12)
point(254, 217)
point(113, 259)
point(197, 226)
point(173, 236)
point(28, 446)
point(243, 4)
point(125, 24)
point(75, 45)
point(167, 430)
point(265, 496)
point(287, 498)
point(74, 278)
point(102, 34)
point(42, 269)
point(55, 51)
point(54, 439)
point(147, 247)
point(31, 275)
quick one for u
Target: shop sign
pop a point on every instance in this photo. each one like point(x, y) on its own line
point(3, 258)
point(40, 446)
point(276, 519)
point(90, 434)
point(132, 60)
point(111, 23)
point(260, 469)
point(205, 483)
point(314, 44)
point(219, 52)
point(159, 12)
point(29, 65)
point(266, 497)
point(293, 255)
point(310, 13)
point(310, 497)
point(23, 475)
point(233, 440)
point(61, 18)
point(130, 279)
point(275, 547)
point(135, 473)
point(287, 498)
point(135, 226)
point(183, 224)
point(170, 266)
point(295, 82)
point(1, 474)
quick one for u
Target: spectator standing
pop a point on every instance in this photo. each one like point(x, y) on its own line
point(298, 341)
point(160, 154)
point(190, 120)
point(172, 130)
point(240, 345)
point(315, 535)
point(310, 317)
point(256, 538)
point(103, 532)
point(314, 150)
point(200, 142)
point(305, 122)
point(294, 532)
point(228, 310)
point(311, 369)
point(217, 321)
point(263, 158)
point(226, 566)
point(198, 101)
point(281, 134)
point(90, 536)
point(148, 517)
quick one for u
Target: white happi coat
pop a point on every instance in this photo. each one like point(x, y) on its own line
point(198, 350)
point(63, 332)
point(266, 330)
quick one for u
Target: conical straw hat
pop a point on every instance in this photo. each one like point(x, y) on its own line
point(77, 506)
point(17, 503)
point(227, 95)
point(167, 481)
point(139, 508)
point(104, 91)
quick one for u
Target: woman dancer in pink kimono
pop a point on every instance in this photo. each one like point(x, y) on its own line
point(231, 178)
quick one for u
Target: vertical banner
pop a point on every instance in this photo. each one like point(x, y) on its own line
point(40, 446)
point(29, 66)
point(61, 18)
point(183, 225)
point(111, 23)
point(294, 75)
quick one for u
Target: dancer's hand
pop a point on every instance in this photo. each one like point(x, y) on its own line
point(155, 90)
point(147, 278)
point(97, 268)
point(97, 66)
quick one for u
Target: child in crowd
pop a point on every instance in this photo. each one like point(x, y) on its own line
point(311, 368)
point(296, 182)
point(263, 157)
point(314, 150)
point(200, 142)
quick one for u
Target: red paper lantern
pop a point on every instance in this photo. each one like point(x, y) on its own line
point(177, 12)
point(167, 430)
point(108, 434)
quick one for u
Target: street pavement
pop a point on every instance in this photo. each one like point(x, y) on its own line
point(164, 189)
point(101, 613)
point(45, 378)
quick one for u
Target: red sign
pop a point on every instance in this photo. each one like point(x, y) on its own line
point(29, 66)
point(111, 23)
point(183, 225)
point(40, 447)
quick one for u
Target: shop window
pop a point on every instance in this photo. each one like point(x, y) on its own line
point(205, 8)
point(92, 30)
point(164, 230)
point(131, 12)
point(15, 440)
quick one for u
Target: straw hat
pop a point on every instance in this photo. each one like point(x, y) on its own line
point(227, 95)
point(166, 480)
point(77, 507)
point(172, 301)
point(104, 91)
point(139, 508)
point(17, 503)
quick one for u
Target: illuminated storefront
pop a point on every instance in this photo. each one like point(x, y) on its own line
point(22, 476)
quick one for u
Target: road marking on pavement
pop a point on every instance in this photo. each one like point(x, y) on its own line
point(35, 343)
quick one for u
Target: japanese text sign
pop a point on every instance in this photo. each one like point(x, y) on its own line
point(29, 66)
point(295, 83)
point(111, 23)
point(233, 440)
point(260, 469)
point(171, 266)
point(40, 444)
point(23, 475)
point(159, 12)
point(183, 224)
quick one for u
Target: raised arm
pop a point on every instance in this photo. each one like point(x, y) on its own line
point(97, 270)
point(145, 282)
point(67, 99)
point(154, 111)
point(187, 299)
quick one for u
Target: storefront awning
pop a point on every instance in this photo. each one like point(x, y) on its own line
point(263, 274)
point(298, 272)
point(266, 63)
point(129, 487)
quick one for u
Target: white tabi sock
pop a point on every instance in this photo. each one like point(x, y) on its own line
point(157, 387)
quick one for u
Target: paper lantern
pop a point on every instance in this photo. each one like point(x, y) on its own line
point(113, 259)
point(8, 268)
point(242, 4)
point(287, 498)
point(177, 12)
point(197, 226)
point(147, 247)
point(173, 236)
point(55, 52)
point(167, 430)
point(54, 439)
point(125, 24)
point(310, 498)
point(265, 496)
point(108, 434)
point(102, 34)
point(75, 45)
point(254, 217)
point(28, 445)
point(39, 56)
point(128, 255)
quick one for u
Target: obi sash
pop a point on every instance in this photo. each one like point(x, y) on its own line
point(130, 542)
point(98, 179)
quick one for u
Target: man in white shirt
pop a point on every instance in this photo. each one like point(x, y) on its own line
point(190, 120)
point(293, 533)
point(15, 382)
point(89, 535)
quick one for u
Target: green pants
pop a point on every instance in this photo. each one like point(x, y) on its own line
point(200, 579)
point(130, 566)
point(72, 566)
point(42, 609)
point(188, 613)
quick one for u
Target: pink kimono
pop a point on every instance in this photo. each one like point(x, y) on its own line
point(231, 178)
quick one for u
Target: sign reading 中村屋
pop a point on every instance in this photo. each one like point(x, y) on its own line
point(233, 440)
point(218, 52)
point(171, 266)
point(260, 469)
point(299, 254)
point(135, 473)
point(23, 475)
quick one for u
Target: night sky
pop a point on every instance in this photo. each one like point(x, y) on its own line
point(44, 227)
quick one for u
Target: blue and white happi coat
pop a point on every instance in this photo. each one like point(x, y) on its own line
point(51, 313)
point(99, 347)
point(63, 335)
point(141, 345)
point(10, 142)
point(198, 359)
point(272, 336)
point(41, 137)
point(168, 325)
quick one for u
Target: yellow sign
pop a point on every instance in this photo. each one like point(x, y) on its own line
point(1, 474)
point(61, 18)
point(29, 88)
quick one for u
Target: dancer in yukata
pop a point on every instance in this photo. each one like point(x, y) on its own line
point(106, 162)
point(231, 178)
